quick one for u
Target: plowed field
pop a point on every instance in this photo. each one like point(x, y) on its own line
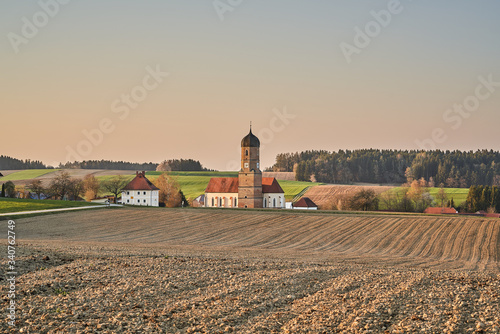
point(150, 270)
point(326, 193)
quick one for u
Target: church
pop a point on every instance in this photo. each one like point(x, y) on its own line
point(249, 189)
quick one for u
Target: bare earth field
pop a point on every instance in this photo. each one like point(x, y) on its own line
point(150, 270)
point(327, 193)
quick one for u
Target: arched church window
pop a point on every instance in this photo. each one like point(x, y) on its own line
point(246, 152)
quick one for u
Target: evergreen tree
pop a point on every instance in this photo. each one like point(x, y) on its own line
point(3, 190)
point(184, 201)
point(10, 189)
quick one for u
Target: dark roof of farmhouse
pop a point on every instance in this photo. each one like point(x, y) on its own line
point(230, 185)
point(140, 182)
point(305, 202)
point(440, 210)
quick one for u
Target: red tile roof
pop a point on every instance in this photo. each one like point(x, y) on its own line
point(440, 211)
point(230, 185)
point(140, 182)
point(271, 186)
point(222, 185)
point(305, 202)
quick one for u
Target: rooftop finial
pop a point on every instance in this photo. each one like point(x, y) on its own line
point(250, 125)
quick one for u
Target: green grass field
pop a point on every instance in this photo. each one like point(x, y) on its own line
point(293, 188)
point(459, 195)
point(26, 174)
point(8, 205)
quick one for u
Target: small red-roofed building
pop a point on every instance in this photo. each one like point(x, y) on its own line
point(305, 203)
point(441, 211)
point(140, 191)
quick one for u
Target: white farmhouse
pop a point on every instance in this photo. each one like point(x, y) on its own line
point(140, 191)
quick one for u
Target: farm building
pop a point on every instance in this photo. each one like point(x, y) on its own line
point(198, 201)
point(249, 189)
point(305, 203)
point(441, 211)
point(140, 191)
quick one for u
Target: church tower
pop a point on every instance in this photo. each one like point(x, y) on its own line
point(250, 176)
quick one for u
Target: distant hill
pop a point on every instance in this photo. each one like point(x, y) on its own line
point(109, 164)
point(167, 165)
point(7, 163)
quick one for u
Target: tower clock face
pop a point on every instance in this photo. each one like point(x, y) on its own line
point(258, 165)
point(246, 164)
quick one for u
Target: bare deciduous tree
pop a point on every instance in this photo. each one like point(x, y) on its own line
point(163, 167)
point(364, 200)
point(442, 196)
point(114, 185)
point(36, 187)
point(75, 189)
point(60, 185)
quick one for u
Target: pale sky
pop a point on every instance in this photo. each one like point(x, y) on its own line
point(312, 74)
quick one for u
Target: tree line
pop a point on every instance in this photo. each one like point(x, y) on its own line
point(109, 164)
point(184, 165)
point(452, 169)
point(7, 163)
point(483, 198)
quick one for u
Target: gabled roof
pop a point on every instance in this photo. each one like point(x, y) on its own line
point(440, 211)
point(271, 186)
point(230, 185)
point(305, 202)
point(222, 185)
point(140, 182)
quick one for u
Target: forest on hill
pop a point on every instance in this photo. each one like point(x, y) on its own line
point(448, 168)
point(7, 163)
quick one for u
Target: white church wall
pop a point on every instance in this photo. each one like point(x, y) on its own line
point(221, 200)
point(274, 200)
